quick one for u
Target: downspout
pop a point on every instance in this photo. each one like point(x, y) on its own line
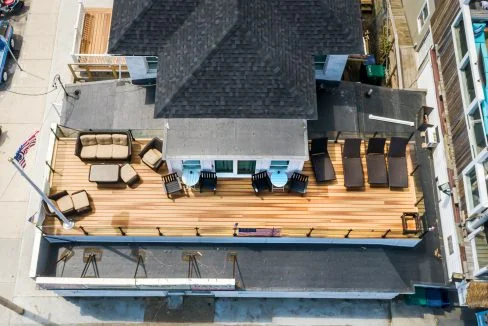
point(475, 223)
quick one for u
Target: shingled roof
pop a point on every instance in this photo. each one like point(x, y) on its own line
point(235, 58)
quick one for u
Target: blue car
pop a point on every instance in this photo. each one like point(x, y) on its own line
point(6, 42)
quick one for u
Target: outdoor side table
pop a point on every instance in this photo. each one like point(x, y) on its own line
point(190, 177)
point(279, 179)
point(104, 173)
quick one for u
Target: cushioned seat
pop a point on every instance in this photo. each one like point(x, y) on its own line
point(65, 204)
point(104, 148)
point(81, 201)
point(151, 157)
point(120, 152)
point(89, 152)
point(397, 168)
point(128, 174)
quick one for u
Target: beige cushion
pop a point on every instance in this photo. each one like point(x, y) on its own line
point(127, 173)
point(104, 139)
point(65, 204)
point(104, 151)
point(80, 200)
point(151, 157)
point(120, 152)
point(89, 152)
point(88, 140)
point(119, 139)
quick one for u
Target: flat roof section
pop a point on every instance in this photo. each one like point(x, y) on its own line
point(258, 268)
point(264, 138)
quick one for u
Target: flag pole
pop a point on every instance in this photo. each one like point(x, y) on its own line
point(67, 224)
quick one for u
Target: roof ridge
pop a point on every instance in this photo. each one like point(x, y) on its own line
point(146, 5)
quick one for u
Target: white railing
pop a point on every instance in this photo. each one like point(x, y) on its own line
point(78, 28)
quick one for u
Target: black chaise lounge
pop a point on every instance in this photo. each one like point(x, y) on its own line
point(298, 183)
point(172, 184)
point(321, 162)
point(351, 161)
point(397, 163)
point(208, 180)
point(261, 182)
point(375, 161)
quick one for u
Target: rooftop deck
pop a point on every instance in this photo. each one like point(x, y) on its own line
point(328, 208)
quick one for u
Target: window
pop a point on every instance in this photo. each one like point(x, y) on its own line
point(278, 165)
point(422, 18)
point(478, 141)
point(246, 167)
point(473, 190)
point(467, 82)
point(152, 64)
point(320, 62)
point(460, 40)
point(224, 166)
point(191, 165)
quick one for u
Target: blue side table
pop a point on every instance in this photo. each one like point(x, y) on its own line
point(190, 177)
point(279, 179)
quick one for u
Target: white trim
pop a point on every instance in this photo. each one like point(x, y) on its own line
point(473, 234)
point(476, 265)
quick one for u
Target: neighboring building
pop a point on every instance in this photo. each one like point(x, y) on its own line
point(451, 67)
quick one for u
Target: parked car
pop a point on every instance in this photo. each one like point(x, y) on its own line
point(6, 42)
point(10, 6)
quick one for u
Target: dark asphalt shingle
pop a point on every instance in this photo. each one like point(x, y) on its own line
point(236, 58)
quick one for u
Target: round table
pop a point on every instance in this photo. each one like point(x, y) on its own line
point(190, 177)
point(279, 179)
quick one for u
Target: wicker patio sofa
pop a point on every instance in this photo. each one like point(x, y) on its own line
point(102, 145)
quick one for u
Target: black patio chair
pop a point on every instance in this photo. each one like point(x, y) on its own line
point(397, 162)
point(351, 161)
point(172, 184)
point(261, 181)
point(375, 161)
point(208, 180)
point(298, 183)
point(321, 162)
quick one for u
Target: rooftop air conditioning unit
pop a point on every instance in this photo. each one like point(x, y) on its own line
point(432, 137)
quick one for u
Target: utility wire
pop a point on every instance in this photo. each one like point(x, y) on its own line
point(31, 94)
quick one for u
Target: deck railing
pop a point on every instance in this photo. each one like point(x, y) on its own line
point(205, 231)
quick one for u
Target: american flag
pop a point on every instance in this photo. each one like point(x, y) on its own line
point(24, 149)
point(261, 232)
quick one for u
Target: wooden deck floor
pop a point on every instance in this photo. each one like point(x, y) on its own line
point(96, 30)
point(330, 209)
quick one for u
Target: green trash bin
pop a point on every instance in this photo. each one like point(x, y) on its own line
point(375, 71)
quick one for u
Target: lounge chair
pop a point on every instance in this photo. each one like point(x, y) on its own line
point(261, 181)
point(397, 163)
point(152, 155)
point(77, 203)
point(321, 162)
point(298, 183)
point(351, 161)
point(208, 180)
point(375, 161)
point(172, 184)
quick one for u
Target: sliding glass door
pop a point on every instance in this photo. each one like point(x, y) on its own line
point(235, 168)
